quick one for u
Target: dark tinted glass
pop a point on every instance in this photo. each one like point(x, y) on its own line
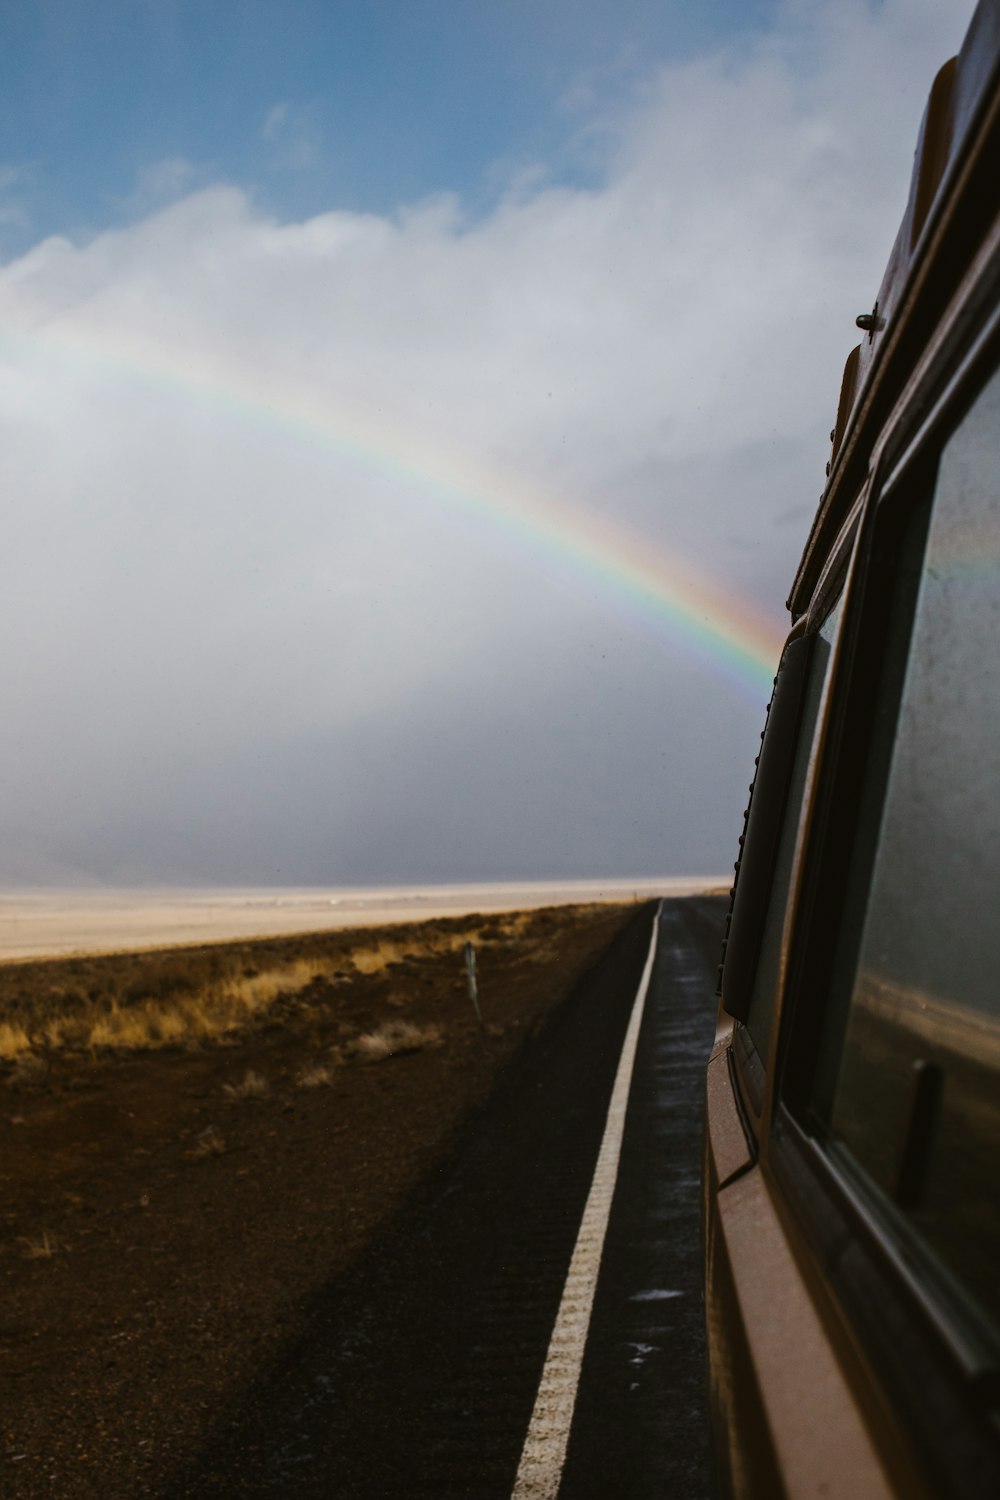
point(768, 976)
point(916, 1096)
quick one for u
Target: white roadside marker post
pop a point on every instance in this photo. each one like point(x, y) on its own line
point(470, 974)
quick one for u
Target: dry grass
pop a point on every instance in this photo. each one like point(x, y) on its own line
point(39, 1246)
point(14, 1040)
point(374, 957)
point(208, 1142)
point(393, 1039)
point(162, 1001)
point(315, 1077)
point(27, 1069)
point(253, 1086)
point(212, 994)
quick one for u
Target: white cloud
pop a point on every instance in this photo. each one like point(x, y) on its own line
point(245, 646)
point(161, 182)
point(293, 135)
point(13, 213)
point(273, 120)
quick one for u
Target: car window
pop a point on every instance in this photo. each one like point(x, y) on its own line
point(766, 982)
point(909, 1077)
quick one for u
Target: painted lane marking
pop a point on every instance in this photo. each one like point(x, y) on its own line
point(544, 1453)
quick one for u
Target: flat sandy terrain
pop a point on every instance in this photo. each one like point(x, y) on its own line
point(169, 1208)
point(40, 923)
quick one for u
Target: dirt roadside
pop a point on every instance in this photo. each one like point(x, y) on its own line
point(168, 1214)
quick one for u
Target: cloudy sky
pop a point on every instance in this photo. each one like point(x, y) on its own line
point(412, 417)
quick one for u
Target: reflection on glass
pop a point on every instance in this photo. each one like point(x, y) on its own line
point(926, 992)
point(767, 979)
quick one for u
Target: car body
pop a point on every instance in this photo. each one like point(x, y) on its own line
point(851, 1188)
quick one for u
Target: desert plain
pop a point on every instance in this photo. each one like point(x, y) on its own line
point(195, 1140)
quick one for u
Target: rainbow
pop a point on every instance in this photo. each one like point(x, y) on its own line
point(660, 591)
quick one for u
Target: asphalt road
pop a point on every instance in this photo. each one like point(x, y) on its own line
point(419, 1375)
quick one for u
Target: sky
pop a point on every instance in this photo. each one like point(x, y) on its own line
point(412, 417)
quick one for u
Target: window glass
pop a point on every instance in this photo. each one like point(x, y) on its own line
point(916, 1096)
point(767, 978)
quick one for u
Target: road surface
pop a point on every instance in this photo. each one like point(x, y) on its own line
point(422, 1368)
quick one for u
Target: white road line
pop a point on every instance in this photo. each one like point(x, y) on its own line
point(544, 1453)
